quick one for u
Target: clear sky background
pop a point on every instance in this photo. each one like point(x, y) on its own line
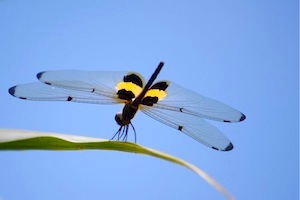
point(243, 53)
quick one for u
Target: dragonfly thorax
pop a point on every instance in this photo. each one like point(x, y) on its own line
point(127, 114)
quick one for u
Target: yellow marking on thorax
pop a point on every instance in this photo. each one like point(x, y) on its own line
point(129, 86)
point(160, 94)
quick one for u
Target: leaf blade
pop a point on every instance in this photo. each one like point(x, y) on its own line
point(32, 140)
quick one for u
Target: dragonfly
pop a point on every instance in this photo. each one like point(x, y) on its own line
point(165, 101)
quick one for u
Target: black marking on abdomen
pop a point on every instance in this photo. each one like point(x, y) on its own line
point(93, 90)
point(226, 121)
point(133, 78)
point(69, 98)
point(180, 128)
point(149, 101)
point(160, 86)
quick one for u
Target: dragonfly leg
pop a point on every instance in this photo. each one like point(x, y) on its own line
point(122, 133)
point(117, 133)
point(133, 132)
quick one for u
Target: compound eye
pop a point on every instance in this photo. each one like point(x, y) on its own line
point(118, 118)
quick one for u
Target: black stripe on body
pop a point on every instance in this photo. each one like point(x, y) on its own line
point(149, 83)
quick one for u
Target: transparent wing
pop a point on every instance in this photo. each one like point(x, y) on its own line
point(183, 100)
point(184, 109)
point(42, 92)
point(191, 125)
point(72, 85)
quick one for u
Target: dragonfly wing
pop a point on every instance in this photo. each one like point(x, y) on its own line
point(42, 92)
point(101, 82)
point(76, 85)
point(183, 100)
point(191, 125)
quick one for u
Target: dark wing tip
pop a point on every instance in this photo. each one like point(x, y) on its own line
point(228, 148)
point(243, 117)
point(12, 90)
point(39, 75)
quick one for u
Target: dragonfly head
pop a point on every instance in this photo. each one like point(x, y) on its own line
point(118, 118)
point(121, 120)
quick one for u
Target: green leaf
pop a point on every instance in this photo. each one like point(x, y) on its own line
point(31, 140)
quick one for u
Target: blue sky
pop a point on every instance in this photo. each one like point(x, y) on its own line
point(243, 53)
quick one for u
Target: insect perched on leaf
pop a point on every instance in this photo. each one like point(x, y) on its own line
point(165, 101)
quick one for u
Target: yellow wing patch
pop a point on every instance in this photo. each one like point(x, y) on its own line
point(160, 94)
point(129, 86)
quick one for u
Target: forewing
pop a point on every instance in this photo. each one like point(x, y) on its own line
point(183, 100)
point(191, 125)
point(73, 85)
point(42, 92)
